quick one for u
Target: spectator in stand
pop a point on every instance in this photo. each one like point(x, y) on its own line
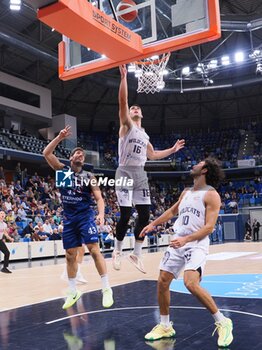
point(57, 218)
point(4, 189)
point(24, 203)
point(36, 178)
point(256, 228)
point(47, 228)
point(2, 183)
point(24, 177)
point(8, 204)
point(12, 231)
point(18, 189)
point(248, 229)
point(38, 218)
point(40, 208)
point(18, 172)
point(57, 197)
point(2, 173)
point(21, 213)
point(60, 228)
point(28, 231)
point(10, 218)
point(55, 236)
point(35, 235)
point(40, 231)
point(3, 247)
point(219, 230)
point(11, 188)
point(30, 194)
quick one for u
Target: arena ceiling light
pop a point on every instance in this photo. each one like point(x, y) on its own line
point(259, 67)
point(225, 60)
point(15, 5)
point(239, 57)
point(200, 68)
point(212, 64)
point(255, 54)
point(186, 71)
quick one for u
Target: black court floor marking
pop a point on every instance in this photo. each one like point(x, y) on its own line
point(89, 327)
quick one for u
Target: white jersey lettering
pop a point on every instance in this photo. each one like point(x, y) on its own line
point(192, 216)
point(132, 148)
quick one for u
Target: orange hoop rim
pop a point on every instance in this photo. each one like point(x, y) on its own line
point(165, 57)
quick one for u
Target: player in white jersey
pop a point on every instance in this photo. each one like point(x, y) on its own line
point(134, 149)
point(197, 210)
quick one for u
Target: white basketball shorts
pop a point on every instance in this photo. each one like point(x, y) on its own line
point(176, 260)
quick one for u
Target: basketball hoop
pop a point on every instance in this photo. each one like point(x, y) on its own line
point(150, 73)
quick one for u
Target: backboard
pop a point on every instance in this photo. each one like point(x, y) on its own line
point(106, 42)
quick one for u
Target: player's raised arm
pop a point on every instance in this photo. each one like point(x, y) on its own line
point(167, 215)
point(48, 152)
point(154, 155)
point(124, 117)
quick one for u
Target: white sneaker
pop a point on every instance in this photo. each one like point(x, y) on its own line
point(137, 262)
point(116, 256)
point(80, 278)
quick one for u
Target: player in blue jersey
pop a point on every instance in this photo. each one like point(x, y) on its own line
point(79, 216)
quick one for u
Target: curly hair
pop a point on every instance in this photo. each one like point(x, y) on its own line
point(215, 173)
point(77, 149)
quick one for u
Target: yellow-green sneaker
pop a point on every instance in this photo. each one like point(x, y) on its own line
point(224, 330)
point(71, 299)
point(107, 300)
point(73, 341)
point(160, 331)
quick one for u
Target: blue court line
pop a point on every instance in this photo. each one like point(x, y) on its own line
point(227, 286)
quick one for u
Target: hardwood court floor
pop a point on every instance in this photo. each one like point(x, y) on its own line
point(28, 286)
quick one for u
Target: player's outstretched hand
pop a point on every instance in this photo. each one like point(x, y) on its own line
point(64, 133)
point(146, 230)
point(123, 71)
point(178, 145)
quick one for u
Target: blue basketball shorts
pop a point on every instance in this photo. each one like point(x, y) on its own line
point(79, 230)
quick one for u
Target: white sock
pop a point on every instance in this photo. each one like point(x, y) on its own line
point(78, 268)
point(72, 284)
point(118, 245)
point(138, 248)
point(164, 320)
point(105, 282)
point(219, 317)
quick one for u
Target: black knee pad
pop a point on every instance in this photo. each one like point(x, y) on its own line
point(143, 211)
point(121, 227)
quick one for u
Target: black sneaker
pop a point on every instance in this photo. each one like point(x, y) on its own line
point(5, 270)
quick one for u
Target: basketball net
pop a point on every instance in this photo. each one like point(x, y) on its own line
point(150, 73)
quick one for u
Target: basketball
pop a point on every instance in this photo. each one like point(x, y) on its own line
point(125, 4)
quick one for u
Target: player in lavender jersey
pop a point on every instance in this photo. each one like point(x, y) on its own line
point(134, 148)
point(197, 208)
